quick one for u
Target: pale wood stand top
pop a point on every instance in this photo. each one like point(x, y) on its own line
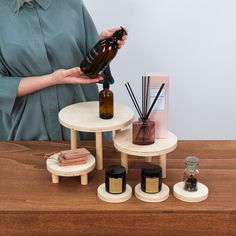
point(84, 117)
point(123, 143)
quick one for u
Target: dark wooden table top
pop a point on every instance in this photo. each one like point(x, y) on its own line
point(31, 205)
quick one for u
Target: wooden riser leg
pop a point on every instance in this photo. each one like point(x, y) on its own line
point(124, 161)
point(73, 139)
point(99, 157)
point(84, 179)
point(163, 165)
point(116, 132)
point(55, 179)
point(148, 159)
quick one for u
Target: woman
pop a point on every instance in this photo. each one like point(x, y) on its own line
point(42, 43)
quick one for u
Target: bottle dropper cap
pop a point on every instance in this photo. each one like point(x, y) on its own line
point(106, 84)
point(120, 33)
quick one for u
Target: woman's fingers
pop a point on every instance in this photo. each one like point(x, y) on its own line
point(75, 70)
point(121, 42)
point(114, 29)
point(72, 76)
point(125, 37)
point(108, 33)
point(87, 80)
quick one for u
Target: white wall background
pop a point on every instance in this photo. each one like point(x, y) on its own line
point(194, 41)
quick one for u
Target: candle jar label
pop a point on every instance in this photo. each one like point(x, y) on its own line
point(152, 185)
point(115, 185)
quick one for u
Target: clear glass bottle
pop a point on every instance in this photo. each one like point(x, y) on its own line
point(191, 174)
point(106, 102)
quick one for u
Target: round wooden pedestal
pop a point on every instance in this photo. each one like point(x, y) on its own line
point(123, 143)
point(70, 171)
point(114, 198)
point(84, 117)
point(200, 195)
point(152, 197)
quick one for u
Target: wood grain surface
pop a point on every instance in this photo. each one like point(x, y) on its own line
point(31, 205)
point(89, 119)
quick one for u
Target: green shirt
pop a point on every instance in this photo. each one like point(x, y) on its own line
point(40, 38)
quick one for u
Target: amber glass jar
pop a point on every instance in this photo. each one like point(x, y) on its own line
point(143, 132)
point(106, 102)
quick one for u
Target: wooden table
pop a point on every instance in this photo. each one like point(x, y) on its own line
point(31, 205)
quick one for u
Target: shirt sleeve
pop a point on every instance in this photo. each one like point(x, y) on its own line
point(91, 34)
point(92, 37)
point(8, 90)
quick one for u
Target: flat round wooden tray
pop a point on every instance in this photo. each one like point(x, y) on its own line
point(114, 198)
point(156, 197)
point(200, 195)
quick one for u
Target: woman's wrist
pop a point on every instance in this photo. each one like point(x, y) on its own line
point(51, 79)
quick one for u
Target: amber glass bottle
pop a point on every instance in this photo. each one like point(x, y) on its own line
point(101, 55)
point(106, 109)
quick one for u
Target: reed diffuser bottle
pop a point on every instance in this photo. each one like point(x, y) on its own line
point(101, 55)
point(106, 102)
point(143, 132)
point(143, 129)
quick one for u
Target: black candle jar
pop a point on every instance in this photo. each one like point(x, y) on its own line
point(115, 179)
point(151, 178)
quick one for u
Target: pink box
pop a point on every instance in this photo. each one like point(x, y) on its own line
point(159, 113)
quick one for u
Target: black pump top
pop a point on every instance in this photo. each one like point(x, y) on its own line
point(120, 33)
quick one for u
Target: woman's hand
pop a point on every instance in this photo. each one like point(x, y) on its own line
point(108, 33)
point(72, 76)
point(30, 85)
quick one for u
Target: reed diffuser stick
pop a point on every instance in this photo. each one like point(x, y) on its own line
point(155, 100)
point(133, 99)
point(147, 94)
point(143, 96)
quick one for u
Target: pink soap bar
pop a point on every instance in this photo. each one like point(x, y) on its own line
point(64, 161)
point(79, 151)
point(73, 156)
point(159, 113)
point(73, 163)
